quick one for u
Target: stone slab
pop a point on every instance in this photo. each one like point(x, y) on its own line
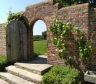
point(3, 81)
point(25, 74)
point(36, 68)
point(14, 79)
point(89, 76)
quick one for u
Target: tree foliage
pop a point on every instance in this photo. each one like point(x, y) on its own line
point(66, 37)
point(44, 35)
point(64, 3)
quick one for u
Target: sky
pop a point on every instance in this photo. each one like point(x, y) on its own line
point(17, 6)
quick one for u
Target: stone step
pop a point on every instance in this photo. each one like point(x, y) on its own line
point(12, 79)
point(3, 81)
point(25, 74)
point(35, 68)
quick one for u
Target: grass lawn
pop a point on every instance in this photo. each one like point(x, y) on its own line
point(40, 47)
point(3, 59)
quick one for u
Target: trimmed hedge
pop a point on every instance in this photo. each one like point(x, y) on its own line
point(62, 75)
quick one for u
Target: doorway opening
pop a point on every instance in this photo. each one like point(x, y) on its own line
point(40, 38)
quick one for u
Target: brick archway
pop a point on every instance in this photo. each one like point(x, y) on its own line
point(30, 38)
point(37, 30)
point(48, 12)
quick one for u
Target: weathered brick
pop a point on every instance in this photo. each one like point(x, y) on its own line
point(2, 39)
point(82, 16)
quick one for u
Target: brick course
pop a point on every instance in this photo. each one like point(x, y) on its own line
point(2, 40)
point(82, 16)
point(77, 15)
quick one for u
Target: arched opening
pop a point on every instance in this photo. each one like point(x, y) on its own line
point(40, 38)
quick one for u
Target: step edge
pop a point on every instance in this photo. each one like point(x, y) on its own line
point(11, 81)
point(30, 70)
point(33, 70)
point(24, 76)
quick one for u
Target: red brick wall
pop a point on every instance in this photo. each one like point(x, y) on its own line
point(81, 16)
point(2, 40)
point(92, 33)
point(45, 12)
point(77, 15)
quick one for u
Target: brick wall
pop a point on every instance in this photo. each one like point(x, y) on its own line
point(92, 33)
point(2, 40)
point(81, 16)
point(77, 15)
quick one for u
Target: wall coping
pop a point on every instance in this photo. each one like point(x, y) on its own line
point(39, 4)
point(74, 6)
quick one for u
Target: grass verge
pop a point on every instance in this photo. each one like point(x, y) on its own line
point(40, 47)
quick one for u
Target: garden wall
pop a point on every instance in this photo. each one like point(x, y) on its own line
point(2, 40)
point(92, 32)
point(82, 16)
point(77, 15)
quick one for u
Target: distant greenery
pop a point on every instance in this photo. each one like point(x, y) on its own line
point(37, 37)
point(64, 3)
point(62, 75)
point(40, 37)
point(40, 47)
point(44, 35)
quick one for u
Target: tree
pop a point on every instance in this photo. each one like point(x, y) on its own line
point(64, 3)
point(37, 38)
point(44, 35)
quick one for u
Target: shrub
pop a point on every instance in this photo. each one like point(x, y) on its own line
point(62, 75)
point(4, 63)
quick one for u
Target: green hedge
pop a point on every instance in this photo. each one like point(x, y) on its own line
point(62, 75)
point(4, 63)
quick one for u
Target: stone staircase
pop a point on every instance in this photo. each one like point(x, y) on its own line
point(24, 73)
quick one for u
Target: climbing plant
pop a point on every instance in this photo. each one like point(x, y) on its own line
point(17, 16)
point(63, 34)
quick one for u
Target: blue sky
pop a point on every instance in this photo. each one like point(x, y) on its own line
point(17, 6)
point(39, 27)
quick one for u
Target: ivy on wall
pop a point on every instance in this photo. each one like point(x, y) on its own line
point(17, 16)
point(63, 34)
